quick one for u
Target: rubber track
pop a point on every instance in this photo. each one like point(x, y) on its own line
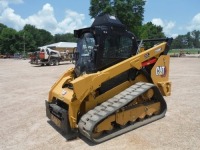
point(91, 119)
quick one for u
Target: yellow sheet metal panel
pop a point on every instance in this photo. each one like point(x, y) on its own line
point(160, 75)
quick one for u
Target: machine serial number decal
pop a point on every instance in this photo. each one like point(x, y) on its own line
point(160, 71)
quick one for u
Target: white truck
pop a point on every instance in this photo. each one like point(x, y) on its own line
point(48, 56)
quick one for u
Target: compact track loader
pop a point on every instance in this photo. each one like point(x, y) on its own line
point(116, 85)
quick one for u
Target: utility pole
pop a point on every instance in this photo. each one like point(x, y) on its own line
point(24, 45)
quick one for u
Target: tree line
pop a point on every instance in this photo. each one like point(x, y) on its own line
point(129, 12)
point(189, 40)
point(28, 39)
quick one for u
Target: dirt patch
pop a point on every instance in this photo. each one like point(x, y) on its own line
point(23, 124)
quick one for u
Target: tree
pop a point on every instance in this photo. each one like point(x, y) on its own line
point(68, 37)
point(151, 31)
point(8, 41)
point(38, 37)
point(33, 34)
point(44, 38)
point(2, 26)
point(196, 38)
point(27, 42)
point(129, 12)
point(189, 40)
point(100, 6)
point(179, 42)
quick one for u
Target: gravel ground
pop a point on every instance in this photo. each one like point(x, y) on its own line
point(24, 126)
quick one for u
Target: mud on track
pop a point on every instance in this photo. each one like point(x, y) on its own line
point(24, 126)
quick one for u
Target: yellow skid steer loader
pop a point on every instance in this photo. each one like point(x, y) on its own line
point(117, 85)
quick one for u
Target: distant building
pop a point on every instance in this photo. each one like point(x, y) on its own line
point(61, 46)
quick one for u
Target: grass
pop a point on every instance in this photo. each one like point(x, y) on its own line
point(190, 51)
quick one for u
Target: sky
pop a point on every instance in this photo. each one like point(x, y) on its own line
point(177, 17)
